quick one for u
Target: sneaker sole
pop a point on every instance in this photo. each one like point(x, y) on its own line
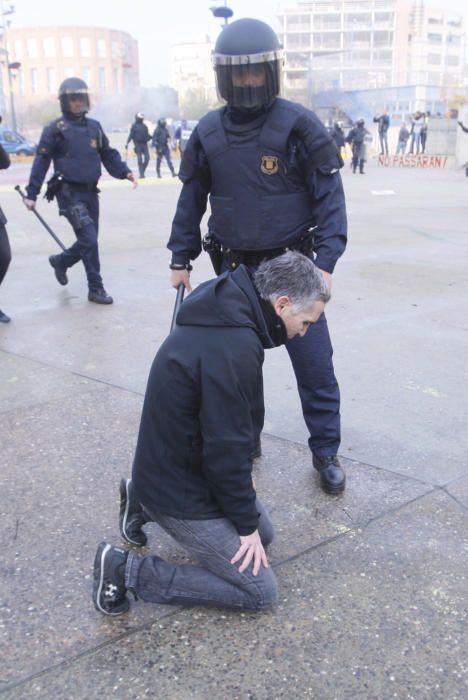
point(99, 562)
point(125, 497)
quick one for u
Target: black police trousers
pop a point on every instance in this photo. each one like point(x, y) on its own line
point(163, 153)
point(82, 211)
point(142, 154)
point(5, 252)
point(311, 358)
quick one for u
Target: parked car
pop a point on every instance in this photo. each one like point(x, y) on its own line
point(15, 143)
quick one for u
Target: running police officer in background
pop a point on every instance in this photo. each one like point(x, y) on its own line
point(271, 170)
point(77, 145)
point(140, 136)
point(160, 142)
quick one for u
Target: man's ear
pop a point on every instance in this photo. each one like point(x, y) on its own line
point(280, 303)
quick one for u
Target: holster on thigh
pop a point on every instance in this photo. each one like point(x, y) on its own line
point(78, 215)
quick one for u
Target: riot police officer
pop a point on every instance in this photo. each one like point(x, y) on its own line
point(160, 142)
point(357, 140)
point(5, 250)
point(272, 173)
point(77, 145)
point(140, 136)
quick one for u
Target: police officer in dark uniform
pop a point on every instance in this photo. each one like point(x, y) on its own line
point(140, 136)
point(77, 145)
point(357, 140)
point(160, 142)
point(5, 250)
point(271, 171)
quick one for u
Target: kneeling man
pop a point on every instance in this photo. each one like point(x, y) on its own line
point(202, 417)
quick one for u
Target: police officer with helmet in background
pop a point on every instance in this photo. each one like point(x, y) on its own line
point(77, 145)
point(140, 136)
point(271, 171)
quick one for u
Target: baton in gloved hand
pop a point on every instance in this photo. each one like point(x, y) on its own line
point(46, 226)
point(177, 305)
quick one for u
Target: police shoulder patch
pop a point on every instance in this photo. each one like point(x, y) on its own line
point(269, 165)
point(93, 143)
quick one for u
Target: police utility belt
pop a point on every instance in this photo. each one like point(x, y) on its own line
point(57, 183)
point(219, 254)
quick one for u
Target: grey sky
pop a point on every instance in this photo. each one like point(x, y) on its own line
point(156, 24)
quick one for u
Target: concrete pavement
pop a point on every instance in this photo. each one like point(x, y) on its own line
point(372, 583)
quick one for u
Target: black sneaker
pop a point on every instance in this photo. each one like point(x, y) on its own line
point(100, 296)
point(109, 591)
point(332, 476)
point(4, 318)
point(59, 269)
point(131, 518)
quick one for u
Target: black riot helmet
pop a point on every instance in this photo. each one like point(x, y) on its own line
point(162, 122)
point(139, 116)
point(73, 88)
point(247, 59)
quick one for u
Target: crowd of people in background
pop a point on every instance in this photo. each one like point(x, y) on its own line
point(413, 134)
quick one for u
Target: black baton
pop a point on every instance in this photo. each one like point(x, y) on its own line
point(46, 226)
point(177, 305)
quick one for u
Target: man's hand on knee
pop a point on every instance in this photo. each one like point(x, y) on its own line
point(251, 549)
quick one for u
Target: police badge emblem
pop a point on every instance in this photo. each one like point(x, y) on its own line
point(269, 165)
point(93, 143)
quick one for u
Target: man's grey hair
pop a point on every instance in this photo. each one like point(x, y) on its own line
point(294, 276)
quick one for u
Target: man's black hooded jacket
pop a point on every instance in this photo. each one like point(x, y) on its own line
point(203, 407)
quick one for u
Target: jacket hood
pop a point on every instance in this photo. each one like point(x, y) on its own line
point(231, 301)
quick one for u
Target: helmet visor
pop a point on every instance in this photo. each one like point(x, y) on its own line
point(248, 82)
point(74, 101)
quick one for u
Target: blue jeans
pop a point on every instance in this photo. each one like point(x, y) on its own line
point(216, 582)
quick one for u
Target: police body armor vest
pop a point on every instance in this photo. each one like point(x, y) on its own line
point(78, 158)
point(254, 205)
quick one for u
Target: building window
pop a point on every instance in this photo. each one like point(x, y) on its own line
point(434, 38)
point(101, 48)
point(34, 84)
point(115, 50)
point(434, 59)
point(51, 80)
point(69, 72)
point(18, 50)
point(383, 38)
point(31, 48)
point(49, 47)
point(115, 79)
point(86, 75)
point(453, 40)
point(102, 79)
point(67, 46)
point(453, 61)
point(85, 47)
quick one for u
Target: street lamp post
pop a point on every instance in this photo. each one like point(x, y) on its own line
point(9, 66)
point(222, 11)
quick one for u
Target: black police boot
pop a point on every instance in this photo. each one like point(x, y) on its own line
point(109, 590)
point(131, 517)
point(4, 318)
point(158, 175)
point(332, 476)
point(59, 269)
point(100, 296)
